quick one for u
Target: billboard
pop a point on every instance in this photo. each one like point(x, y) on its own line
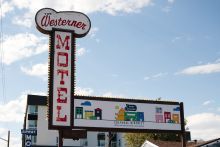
point(126, 115)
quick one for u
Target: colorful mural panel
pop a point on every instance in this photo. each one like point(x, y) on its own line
point(126, 115)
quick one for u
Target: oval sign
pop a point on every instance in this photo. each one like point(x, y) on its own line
point(47, 18)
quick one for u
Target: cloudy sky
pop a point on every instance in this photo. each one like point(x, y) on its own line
point(142, 49)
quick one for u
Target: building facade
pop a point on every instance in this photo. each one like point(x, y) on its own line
point(36, 119)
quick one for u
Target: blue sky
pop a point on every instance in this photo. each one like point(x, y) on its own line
point(142, 49)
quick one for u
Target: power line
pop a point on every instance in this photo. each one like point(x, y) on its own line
point(2, 54)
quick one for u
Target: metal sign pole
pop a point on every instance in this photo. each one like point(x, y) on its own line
point(60, 138)
point(183, 139)
point(183, 134)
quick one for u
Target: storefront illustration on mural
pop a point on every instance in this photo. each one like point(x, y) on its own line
point(166, 117)
point(81, 113)
point(125, 115)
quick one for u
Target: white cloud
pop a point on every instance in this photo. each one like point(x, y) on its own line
point(3, 131)
point(38, 70)
point(15, 141)
point(93, 31)
point(176, 38)
point(41, 69)
point(112, 7)
point(208, 121)
point(110, 94)
point(146, 78)
point(166, 9)
point(97, 40)
point(207, 102)
point(83, 91)
point(159, 75)
point(13, 111)
point(21, 46)
point(5, 8)
point(114, 75)
point(92, 34)
point(24, 20)
point(171, 1)
point(201, 69)
point(80, 51)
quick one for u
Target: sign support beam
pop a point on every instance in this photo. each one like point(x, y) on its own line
point(60, 138)
point(183, 133)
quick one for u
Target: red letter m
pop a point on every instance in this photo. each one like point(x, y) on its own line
point(60, 41)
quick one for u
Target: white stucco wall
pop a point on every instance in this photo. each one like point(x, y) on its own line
point(49, 137)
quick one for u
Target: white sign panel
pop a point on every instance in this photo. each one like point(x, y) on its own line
point(126, 115)
point(62, 78)
point(47, 18)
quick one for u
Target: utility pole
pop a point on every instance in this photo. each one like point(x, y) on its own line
point(8, 138)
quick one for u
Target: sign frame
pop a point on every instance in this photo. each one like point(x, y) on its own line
point(132, 130)
point(51, 77)
point(58, 23)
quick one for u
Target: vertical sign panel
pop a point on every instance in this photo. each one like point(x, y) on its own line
point(61, 78)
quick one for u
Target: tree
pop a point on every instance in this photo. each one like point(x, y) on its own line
point(137, 139)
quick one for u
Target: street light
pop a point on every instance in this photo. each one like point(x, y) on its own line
point(7, 140)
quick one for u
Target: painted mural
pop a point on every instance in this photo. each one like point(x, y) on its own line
point(167, 117)
point(126, 115)
point(129, 113)
point(83, 113)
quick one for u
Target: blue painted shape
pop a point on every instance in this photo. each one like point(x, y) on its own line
point(86, 103)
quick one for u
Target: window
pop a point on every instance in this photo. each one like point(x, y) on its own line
point(158, 110)
point(34, 139)
point(101, 139)
point(57, 140)
point(32, 124)
point(33, 109)
point(84, 142)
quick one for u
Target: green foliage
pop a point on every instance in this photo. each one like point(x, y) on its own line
point(137, 139)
